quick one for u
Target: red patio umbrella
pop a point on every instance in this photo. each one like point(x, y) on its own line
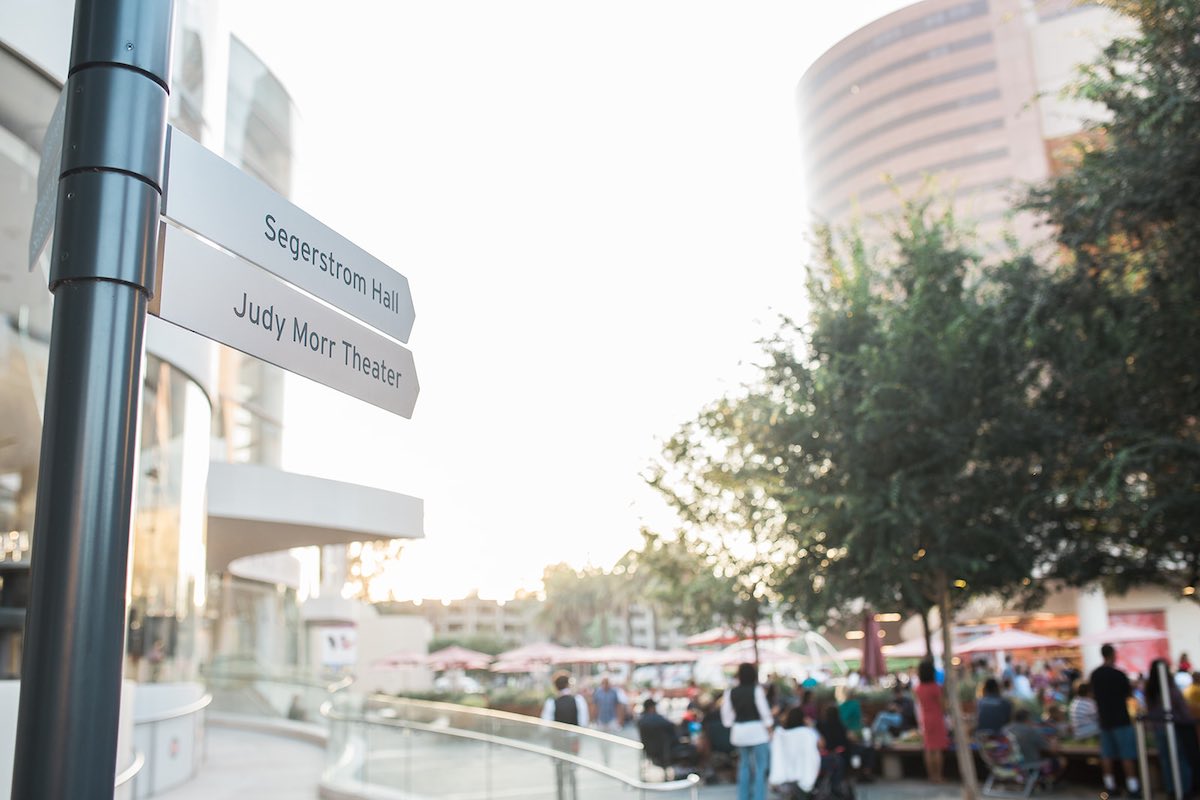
point(872, 667)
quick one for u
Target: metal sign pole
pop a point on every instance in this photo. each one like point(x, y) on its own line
point(1164, 681)
point(102, 274)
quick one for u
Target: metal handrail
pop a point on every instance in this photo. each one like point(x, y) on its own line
point(508, 716)
point(130, 772)
point(692, 782)
point(190, 708)
point(295, 680)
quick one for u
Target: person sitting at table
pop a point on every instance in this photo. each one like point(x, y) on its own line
point(660, 739)
point(1083, 713)
point(992, 711)
point(1035, 746)
point(795, 755)
point(887, 723)
point(715, 749)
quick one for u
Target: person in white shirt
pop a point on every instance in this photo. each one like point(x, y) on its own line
point(1083, 713)
point(795, 753)
point(745, 711)
point(568, 709)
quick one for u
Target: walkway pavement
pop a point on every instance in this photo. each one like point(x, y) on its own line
point(242, 764)
point(245, 764)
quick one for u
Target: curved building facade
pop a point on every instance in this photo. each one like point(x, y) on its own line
point(209, 489)
point(963, 92)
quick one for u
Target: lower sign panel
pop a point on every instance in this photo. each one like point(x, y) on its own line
point(222, 297)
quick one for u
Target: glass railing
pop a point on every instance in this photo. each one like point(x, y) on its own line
point(243, 688)
point(617, 753)
point(426, 749)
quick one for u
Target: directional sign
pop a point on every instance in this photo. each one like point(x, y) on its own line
point(220, 202)
point(49, 170)
point(220, 296)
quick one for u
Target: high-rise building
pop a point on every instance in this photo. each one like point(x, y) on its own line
point(966, 92)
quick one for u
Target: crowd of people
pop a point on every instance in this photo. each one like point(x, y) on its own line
point(779, 734)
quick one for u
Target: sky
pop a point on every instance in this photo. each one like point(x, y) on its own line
point(599, 208)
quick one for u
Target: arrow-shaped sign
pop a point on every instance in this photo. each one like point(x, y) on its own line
point(210, 196)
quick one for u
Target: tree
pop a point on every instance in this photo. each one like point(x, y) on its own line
point(891, 452)
point(572, 603)
point(677, 579)
point(724, 492)
point(1119, 334)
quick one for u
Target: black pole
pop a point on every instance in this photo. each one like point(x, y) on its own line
point(102, 275)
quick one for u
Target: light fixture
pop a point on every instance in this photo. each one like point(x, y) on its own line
point(855, 635)
point(889, 617)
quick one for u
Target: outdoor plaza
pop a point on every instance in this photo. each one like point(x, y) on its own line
point(243, 764)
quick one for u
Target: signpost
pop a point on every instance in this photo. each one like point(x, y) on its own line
point(112, 170)
point(224, 298)
point(210, 196)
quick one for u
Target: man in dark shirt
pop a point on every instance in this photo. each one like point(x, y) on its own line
point(992, 712)
point(565, 708)
point(1111, 690)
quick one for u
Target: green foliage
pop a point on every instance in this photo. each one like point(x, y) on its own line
point(574, 601)
point(890, 448)
point(1119, 335)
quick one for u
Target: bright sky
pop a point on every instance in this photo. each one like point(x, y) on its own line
point(599, 208)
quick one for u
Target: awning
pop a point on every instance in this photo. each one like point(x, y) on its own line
point(254, 509)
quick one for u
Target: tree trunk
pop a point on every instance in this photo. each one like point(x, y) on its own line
point(927, 634)
point(754, 633)
point(962, 745)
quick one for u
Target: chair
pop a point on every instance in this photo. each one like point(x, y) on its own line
point(1002, 756)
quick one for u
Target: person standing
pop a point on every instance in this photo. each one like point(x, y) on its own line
point(931, 718)
point(1187, 746)
point(565, 708)
point(1112, 690)
point(609, 704)
point(745, 711)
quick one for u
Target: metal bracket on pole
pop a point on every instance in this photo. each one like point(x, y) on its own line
point(102, 274)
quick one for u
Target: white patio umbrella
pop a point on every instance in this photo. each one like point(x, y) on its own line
point(400, 660)
point(675, 656)
point(1118, 634)
point(727, 635)
point(516, 667)
point(1011, 639)
point(455, 657)
point(913, 648)
point(543, 652)
point(767, 655)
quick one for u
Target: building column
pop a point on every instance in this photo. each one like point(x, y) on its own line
point(1092, 607)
